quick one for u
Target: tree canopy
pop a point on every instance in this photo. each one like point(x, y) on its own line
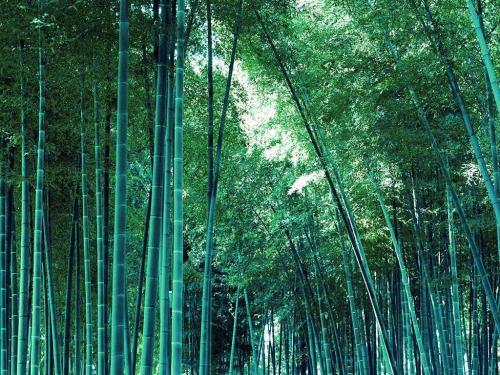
point(249, 187)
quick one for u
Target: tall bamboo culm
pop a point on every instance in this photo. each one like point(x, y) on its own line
point(22, 332)
point(165, 321)
point(178, 239)
point(118, 308)
point(86, 238)
point(205, 342)
point(101, 298)
point(155, 218)
point(37, 235)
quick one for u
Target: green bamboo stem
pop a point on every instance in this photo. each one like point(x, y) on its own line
point(210, 107)
point(493, 365)
point(51, 297)
point(492, 135)
point(178, 239)
point(206, 315)
point(155, 218)
point(206, 297)
point(319, 271)
point(251, 333)
point(347, 218)
point(78, 334)
point(3, 275)
point(455, 88)
point(119, 270)
point(360, 360)
point(165, 329)
point(106, 226)
point(404, 279)
point(101, 296)
point(138, 304)
point(22, 333)
point(407, 337)
point(437, 316)
point(456, 201)
point(457, 339)
point(311, 346)
point(233, 336)
point(324, 335)
point(165, 323)
point(37, 243)
point(14, 276)
point(308, 304)
point(126, 341)
point(69, 289)
point(86, 239)
point(485, 53)
point(48, 335)
point(474, 331)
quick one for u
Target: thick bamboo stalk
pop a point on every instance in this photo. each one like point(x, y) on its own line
point(155, 218)
point(119, 307)
point(3, 275)
point(14, 277)
point(178, 239)
point(165, 320)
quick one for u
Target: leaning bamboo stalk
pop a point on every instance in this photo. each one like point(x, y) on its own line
point(456, 201)
point(404, 278)
point(434, 36)
point(485, 52)
point(206, 297)
point(347, 218)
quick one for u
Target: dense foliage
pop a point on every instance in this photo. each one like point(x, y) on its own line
point(214, 186)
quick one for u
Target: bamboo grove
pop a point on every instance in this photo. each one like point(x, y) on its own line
point(299, 187)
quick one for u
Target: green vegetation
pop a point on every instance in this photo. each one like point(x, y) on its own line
point(301, 187)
